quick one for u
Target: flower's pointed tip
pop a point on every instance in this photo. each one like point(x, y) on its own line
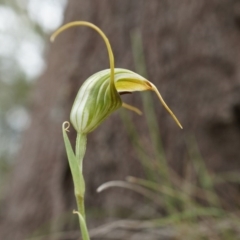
point(175, 119)
point(165, 105)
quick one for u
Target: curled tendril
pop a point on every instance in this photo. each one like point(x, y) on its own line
point(66, 128)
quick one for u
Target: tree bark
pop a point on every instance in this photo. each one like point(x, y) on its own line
point(192, 55)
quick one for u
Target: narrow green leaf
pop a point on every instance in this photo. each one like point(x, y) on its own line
point(83, 226)
point(79, 185)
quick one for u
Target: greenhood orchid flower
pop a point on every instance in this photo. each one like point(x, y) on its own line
point(97, 98)
point(99, 95)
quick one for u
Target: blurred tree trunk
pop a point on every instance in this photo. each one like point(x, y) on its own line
point(192, 52)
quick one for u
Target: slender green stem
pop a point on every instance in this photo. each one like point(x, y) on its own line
point(84, 230)
point(75, 163)
point(81, 142)
point(81, 205)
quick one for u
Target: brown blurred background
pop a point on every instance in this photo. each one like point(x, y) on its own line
point(189, 49)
